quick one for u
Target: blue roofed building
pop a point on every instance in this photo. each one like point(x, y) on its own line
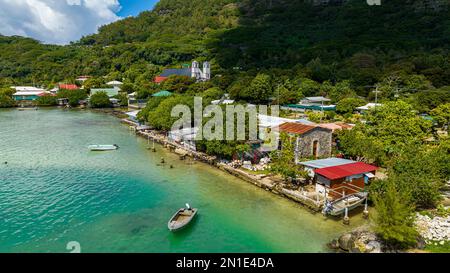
point(192, 72)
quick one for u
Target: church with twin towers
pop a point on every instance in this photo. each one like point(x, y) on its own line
point(196, 71)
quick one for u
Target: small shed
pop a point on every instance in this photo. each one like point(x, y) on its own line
point(341, 180)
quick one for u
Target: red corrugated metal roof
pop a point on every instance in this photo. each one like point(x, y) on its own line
point(295, 128)
point(346, 170)
point(160, 79)
point(68, 86)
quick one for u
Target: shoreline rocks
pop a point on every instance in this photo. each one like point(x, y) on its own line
point(436, 229)
point(360, 240)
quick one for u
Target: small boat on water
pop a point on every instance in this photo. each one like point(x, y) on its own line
point(100, 148)
point(182, 218)
point(27, 108)
point(337, 207)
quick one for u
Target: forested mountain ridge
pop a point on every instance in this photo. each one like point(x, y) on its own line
point(344, 40)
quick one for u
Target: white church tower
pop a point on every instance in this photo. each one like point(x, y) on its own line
point(206, 71)
point(199, 74)
point(196, 70)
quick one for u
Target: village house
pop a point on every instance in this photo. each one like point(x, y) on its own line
point(28, 94)
point(135, 103)
point(82, 79)
point(267, 124)
point(313, 165)
point(64, 86)
point(115, 84)
point(185, 137)
point(311, 103)
point(111, 92)
point(310, 140)
point(193, 72)
point(337, 126)
point(367, 107)
point(343, 180)
point(337, 177)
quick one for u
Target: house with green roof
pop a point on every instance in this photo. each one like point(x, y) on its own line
point(162, 93)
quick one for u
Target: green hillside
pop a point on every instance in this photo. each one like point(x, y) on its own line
point(350, 41)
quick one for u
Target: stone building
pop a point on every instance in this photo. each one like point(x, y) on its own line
point(310, 141)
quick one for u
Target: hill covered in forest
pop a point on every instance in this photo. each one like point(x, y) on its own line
point(340, 41)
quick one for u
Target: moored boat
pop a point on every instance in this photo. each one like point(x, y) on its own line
point(350, 202)
point(103, 147)
point(182, 218)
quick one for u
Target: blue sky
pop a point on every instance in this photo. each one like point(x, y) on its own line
point(134, 7)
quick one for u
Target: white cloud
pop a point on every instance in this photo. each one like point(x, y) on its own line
point(56, 21)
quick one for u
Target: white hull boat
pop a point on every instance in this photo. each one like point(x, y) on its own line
point(100, 148)
point(352, 201)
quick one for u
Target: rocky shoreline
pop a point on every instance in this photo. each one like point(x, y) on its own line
point(360, 240)
point(435, 230)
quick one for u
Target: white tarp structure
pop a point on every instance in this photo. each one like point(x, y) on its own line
point(369, 106)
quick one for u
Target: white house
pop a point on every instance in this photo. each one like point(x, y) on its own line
point(368, 107)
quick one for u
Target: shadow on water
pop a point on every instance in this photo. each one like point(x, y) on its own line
point(176, 238)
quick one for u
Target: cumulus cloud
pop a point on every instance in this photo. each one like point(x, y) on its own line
point(56, 21)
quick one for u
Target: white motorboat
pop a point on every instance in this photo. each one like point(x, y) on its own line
point(101, 148)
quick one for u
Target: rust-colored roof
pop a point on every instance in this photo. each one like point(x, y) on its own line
point(68, 86)
point(160, 79)
point(295, 128)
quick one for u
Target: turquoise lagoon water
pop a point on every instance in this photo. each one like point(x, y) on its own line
point(53, 191)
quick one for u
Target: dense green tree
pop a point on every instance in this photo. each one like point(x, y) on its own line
point(47, 100)
point(284, 160)
point(6, 101)
point(161, 117)
point(442, 114)
point(128, 88)
point(177, 84)
point(284, 96)
point(123, 99)
point(349, 105)
point(426, 101)
point(151, 105)
point(74, 96)
point(421, 172)
point(211, 94)
point(260, 89)
point(337, 92)
point(389, 130)
point(394, 218)
point(100, 100)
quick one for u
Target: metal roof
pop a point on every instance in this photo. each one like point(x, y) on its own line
point(328, 162)
point(180, 72)
point(163, 93)
point(111, 92)
point(295, 128)
point(341, 171)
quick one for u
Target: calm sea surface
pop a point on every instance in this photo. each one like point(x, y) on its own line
point(53, 191)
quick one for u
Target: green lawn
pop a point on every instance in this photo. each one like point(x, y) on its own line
point(445, 248)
